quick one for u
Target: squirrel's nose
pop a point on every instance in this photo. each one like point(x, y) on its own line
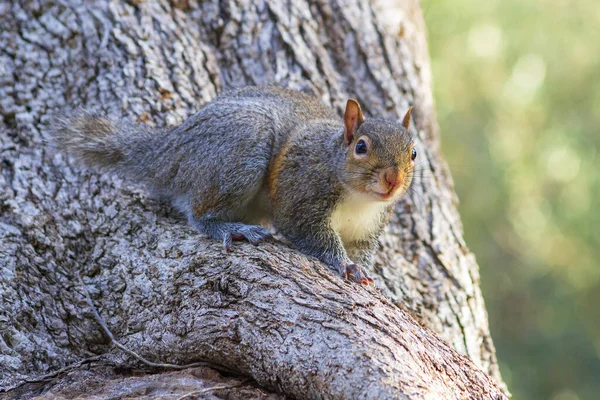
point(392, 178)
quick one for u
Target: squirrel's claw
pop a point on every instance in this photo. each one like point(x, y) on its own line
point(356, 273)
point(229, 238)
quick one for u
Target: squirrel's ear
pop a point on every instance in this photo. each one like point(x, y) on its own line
point(406, 120)
point(353, 117)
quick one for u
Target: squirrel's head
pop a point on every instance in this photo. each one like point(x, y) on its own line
point(380, 155)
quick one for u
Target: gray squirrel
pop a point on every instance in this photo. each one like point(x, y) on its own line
point(264, 154)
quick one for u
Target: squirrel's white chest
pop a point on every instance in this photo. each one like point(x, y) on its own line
point(356, 217)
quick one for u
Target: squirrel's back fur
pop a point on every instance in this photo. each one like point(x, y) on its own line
point(242, 126)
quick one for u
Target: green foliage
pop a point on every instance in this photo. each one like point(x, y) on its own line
point(517, 88)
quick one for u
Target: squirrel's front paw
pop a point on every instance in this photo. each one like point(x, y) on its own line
point(356, 273)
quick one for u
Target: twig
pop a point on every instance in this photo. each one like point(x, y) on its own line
point(50, 375)
point(210, 389)
point(133, 354)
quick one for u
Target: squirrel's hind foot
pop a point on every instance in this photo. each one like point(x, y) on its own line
point(230, 231)
point(254, 234)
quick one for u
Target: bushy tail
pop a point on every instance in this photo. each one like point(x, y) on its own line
point(95, 139)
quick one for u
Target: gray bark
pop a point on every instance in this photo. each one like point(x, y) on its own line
point(168, 293)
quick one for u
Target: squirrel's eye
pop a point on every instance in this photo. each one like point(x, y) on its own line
point(361, 147)
point(414, 154)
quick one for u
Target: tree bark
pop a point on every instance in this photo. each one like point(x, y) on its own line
point(267, 312)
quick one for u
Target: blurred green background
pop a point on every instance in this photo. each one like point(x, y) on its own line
point(517, 88)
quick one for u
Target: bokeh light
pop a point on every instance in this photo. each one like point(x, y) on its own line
point(517, 88)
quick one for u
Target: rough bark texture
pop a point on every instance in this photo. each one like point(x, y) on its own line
point(102, 382)
point(267, 312)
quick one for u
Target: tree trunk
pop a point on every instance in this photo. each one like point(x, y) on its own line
point(267, 313)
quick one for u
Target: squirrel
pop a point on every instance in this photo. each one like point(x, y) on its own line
point(260, 155)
